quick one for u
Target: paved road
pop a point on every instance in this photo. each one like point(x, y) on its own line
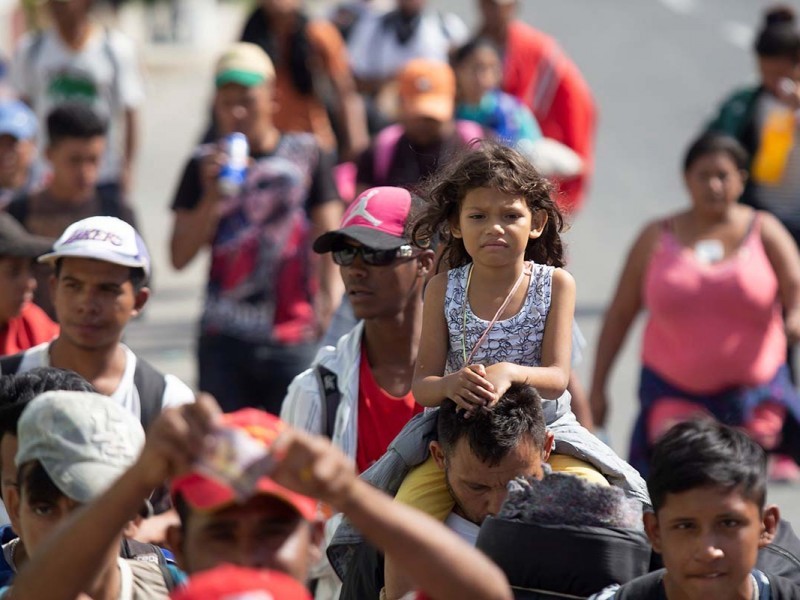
point(657, 69)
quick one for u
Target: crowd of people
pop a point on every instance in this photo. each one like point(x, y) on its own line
point(387, 404)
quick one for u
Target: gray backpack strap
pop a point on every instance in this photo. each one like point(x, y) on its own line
point(330, 397)
point(151, 385)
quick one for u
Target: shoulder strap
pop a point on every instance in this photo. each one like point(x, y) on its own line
point(35, 49)
point(151, 385)
point(385, 146)
point(469, 131)
point(9, 365)
point(19, 207)
point(331, 398)
point(169, 576)
point(109, 52)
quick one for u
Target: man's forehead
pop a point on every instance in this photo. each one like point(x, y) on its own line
point(266, 508)
point(94, 270)
point(524, 459)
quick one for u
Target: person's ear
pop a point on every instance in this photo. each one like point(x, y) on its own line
point(425, 262)
point(538, 223)
point(13, 501)
point(769, 526)
point(174, 537)
point(141, 299)
point(549, 437)
point(455, 227)
point(652, 529)
point(745, 176)
point(438, 454)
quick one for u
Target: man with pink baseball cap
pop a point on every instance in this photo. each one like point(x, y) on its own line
point(359, 392)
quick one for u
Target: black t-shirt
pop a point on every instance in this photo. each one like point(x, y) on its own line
point(260, 286)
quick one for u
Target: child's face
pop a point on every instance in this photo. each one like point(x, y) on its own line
point(38, 518)
point(496, 227)
point(478, 74)
point(709, 539)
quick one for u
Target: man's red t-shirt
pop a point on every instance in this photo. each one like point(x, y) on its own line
point(30, 328)
point(540, 75)
point(381, 416)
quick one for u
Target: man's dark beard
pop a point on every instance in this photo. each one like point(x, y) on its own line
point(461, 510)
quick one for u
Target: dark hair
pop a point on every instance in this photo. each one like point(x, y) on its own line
point(36, 485)
point(779, 37)
point(462, 53)
point(704, 453)
point(17, 390)
point(488, 165)
point(138, 277)
point(493, 432)
point(712, 142)
point(74, 120)
point(258, 30)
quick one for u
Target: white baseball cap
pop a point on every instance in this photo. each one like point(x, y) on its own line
point(84, 441)
point(102, 238)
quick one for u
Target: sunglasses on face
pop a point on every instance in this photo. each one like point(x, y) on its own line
point(345, 255)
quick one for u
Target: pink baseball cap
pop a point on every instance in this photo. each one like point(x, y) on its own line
point(377, 219)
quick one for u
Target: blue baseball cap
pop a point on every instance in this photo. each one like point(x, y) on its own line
point(17, 120)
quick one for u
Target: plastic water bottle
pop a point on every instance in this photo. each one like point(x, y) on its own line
point(233, 172)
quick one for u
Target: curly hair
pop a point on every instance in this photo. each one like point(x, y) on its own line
point(488, 165)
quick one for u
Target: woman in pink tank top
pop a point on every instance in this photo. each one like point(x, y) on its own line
point(721, 286)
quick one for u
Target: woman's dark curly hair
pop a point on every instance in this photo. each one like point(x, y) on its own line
point(488, 165)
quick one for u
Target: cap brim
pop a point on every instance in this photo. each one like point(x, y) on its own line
point(433, 106)
point(364, 235)
point(245, 78)
point(206, 494)
point(83, 481)
point(16, 133)
point(134, 263)
point(32, 247)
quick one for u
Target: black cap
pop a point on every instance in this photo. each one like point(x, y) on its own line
point(16, 242)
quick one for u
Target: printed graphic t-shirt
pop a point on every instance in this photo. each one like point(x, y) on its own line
point(381, 416)
point(260, 286)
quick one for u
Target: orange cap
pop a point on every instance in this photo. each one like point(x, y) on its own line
point(427, 88)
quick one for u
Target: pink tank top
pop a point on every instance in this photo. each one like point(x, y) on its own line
point(713, 326)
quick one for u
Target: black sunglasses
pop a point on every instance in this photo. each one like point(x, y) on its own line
point(345, 255)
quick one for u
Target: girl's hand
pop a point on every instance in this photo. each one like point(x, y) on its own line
point(501, 376)
point(469, 388)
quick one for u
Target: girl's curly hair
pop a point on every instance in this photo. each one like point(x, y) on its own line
point(488, 165)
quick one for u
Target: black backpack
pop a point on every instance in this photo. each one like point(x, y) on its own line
point(149, 382)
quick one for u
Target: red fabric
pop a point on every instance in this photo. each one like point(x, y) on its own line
point(31, 328)
point(540, 75)
point(381, 416)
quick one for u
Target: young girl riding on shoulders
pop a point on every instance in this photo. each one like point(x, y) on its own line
point(503, 312)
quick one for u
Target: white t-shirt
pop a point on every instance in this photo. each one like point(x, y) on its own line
point(376, 53)
point(466, 530)
point(176, 392)
point(103, 73)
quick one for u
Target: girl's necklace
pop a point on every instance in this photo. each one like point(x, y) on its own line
point(468, 359)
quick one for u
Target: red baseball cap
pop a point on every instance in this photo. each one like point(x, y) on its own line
point(204, 493)
point(377, 218)
point(229, 582)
